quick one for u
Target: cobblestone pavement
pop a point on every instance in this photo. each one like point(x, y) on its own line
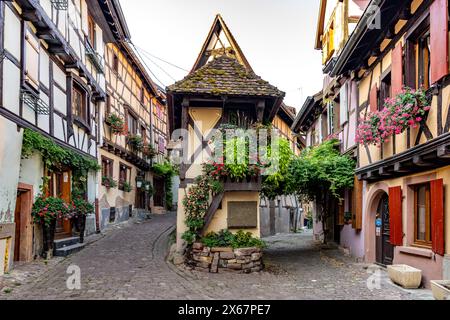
point(129, 263)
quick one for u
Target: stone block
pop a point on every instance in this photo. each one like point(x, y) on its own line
point(204, 265)
point(227, 255)
point(178, 259)
point(223, 263)
point(227, 249)
point(234, 266)
point(248, 265)
point(256, 256)
point(197, 246)
point(202, 259)
point(245, 251)
point(405, 276)
point(226, 270)
point(256, 269)
point(215, 263)
point(243, 260)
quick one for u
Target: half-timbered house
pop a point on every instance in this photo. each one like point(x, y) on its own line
point(52, 82)
point(220, 89)
point(127, 155)
point(331, 114)
point(406, 177)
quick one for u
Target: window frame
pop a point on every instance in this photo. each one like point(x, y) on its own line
point(135, 117)
point(92, 32)
point(428, 242)
point(109, 167)
point(412, 61)
point(385, 88)
point(115, 63)
point(127, 169)
point(77, 87)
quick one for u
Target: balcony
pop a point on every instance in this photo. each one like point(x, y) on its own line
point(94, 57)
point(127, 155)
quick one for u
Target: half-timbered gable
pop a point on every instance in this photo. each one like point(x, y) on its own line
point(404, 173)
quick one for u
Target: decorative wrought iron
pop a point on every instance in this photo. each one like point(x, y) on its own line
point(95, 58)
point(35, 103)
point(60, 4)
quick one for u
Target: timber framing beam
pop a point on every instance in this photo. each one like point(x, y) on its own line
point(433, 154)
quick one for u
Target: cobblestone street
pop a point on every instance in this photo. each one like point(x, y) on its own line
point(129, 263)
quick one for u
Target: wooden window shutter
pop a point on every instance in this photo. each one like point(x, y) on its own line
point(439, 39)
point(32, 60)
point(341, 211)
point(437, 216)
point(358, 205)
point(395, 215)
point(374, 98)
point(397, 69)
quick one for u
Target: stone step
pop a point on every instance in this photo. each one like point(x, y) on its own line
point(58, 244)
point(65, 251)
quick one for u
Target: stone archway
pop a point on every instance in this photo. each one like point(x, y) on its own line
point(374, 196)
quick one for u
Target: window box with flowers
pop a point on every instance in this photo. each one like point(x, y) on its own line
point(148, 151)
point(126, 187)
point(408, 109)
point(109, 182)
point(135, 142)
point(116, 123)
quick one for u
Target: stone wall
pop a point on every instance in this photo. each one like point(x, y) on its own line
point(218, 260)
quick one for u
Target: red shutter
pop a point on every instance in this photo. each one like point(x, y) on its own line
point(437, 215)
point(439, 39)
point(374, 98)
point(395, 215)
point(397, 69)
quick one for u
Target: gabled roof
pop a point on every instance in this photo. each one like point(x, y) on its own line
point(225, 76)
point(214, 44)
point(308, 113)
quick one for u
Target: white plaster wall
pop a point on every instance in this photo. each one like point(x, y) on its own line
point(10, 154)
point(11, 86)
point(31, 172)
point(12, 33)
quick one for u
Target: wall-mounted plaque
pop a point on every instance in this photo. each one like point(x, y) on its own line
point(242, 214)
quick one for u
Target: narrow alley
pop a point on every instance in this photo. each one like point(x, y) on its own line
point(130, 263)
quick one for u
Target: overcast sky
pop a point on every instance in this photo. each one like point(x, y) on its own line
point(276, 36)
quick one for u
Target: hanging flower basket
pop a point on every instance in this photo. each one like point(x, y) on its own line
point(408, 109)
point(109, 182)
point(135, 142)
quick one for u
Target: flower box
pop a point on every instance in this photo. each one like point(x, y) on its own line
point(405, 276)
point(441, 289)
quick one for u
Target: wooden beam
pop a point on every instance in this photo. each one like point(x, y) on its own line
point(217, 200)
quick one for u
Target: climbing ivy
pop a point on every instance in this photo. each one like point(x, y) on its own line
point(56, 157)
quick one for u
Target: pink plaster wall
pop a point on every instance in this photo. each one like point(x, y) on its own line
point(353, 240)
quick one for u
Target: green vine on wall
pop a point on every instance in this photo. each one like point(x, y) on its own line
point(56, 157)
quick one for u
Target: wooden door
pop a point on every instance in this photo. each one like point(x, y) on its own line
point(385, 250)
point(63, 190)
point(158, 197)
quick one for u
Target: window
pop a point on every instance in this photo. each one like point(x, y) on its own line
point(92, 33)
point(79, 104)
point(107, 167)
point(422, 215)
point(132, 124)
point(344, 108)
point(115, 64)
point(385, 90)
point(418, 57)
point(325, 125)
point(124, 175)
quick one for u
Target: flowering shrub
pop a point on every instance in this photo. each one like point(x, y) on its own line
point(135, 142)
point(47, 209)
point(117, 124)
point(407, 109)
point(79, 208)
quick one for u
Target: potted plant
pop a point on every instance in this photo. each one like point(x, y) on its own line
point(109, 182)
point(135, 142)
point(440, 289)
point(79, 209)
point(116, 122)
point(45, 211)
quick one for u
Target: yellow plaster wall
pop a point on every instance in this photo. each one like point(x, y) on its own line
point(219, 221)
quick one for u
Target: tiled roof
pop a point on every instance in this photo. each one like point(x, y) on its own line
point(225, 76)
